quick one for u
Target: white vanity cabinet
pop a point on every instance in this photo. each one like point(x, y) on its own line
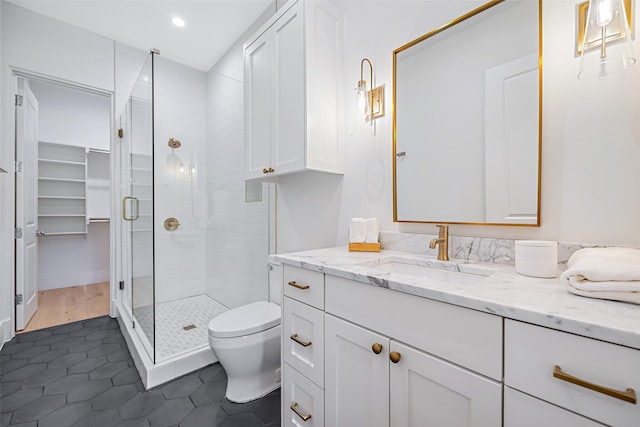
point(404, 385)
point(292, 67)
point(572, 372)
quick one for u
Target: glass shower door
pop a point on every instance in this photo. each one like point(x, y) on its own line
point(138, 206)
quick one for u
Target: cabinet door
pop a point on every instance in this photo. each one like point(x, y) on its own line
point(522, 410)
point(356, 378)
point(426, 391)
point(257, 104)
point(288, 103)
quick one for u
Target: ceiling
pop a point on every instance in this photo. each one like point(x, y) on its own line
point(212, 26)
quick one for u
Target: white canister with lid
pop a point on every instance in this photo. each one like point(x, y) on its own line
point(537, 258)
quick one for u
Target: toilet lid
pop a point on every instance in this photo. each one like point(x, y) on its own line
point(245, 320)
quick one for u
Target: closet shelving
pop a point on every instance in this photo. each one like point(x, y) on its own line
point(62, 190)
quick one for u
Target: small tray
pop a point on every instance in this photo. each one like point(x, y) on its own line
point(364, 247)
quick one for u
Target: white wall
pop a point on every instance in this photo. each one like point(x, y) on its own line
point(237, 231)
point(38, 45)
point(72, 117)
point(591, 153)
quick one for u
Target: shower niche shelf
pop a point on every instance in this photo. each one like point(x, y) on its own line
point(62, 189)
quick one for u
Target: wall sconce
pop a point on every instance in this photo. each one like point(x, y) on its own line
point(369, 103)
point(604, 38)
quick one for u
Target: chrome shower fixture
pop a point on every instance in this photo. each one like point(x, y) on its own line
point(174, 143)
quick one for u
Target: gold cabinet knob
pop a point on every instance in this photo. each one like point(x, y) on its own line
point(265, 170)
point(395, 356)
point(376, 347)
point(271, 170)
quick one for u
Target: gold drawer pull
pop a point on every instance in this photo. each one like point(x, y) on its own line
point(295, 285)
point(628, 396)
point(376, 347)
point(302, 343)
point(294, 407)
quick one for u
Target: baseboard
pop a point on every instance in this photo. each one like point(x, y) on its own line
point(6, 331)
point(73, 279)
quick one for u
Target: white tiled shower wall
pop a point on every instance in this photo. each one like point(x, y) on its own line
point(238, 231)
point(180, 112)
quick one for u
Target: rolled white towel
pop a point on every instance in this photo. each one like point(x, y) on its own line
point(358, 230)
point(632, 297)
point(373, 228)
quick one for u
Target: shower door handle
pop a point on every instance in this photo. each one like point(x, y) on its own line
point(136, 208)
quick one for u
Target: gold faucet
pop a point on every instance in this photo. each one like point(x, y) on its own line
point(443, 242)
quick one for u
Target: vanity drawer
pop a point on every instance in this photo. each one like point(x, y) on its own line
point(522, 410)
point(304, 285)
point(468, 338)
point(305, 397)
point(533, 352)
point(303, 336)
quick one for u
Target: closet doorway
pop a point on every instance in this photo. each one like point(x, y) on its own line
point(67, 266)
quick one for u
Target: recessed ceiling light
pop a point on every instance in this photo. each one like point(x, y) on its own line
point(178, 22)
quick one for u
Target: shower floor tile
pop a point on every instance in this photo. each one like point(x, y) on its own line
point(172, 317)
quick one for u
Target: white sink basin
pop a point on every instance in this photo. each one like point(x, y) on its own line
point(422, 272)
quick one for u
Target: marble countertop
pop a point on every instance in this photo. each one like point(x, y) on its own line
point(499, 290)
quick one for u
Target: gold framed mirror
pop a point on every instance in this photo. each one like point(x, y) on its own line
point(467, 119)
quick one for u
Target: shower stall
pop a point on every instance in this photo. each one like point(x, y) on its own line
point(187, 251)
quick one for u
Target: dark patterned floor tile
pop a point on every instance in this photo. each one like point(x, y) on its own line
point(19, 399)
point(68, 328)
point(67, 415)
point(134, 422)
point(24, 372)
point(232, 408)
point(211, 415)
point(89, 390)
point(30, 352)
point(114, 397)
point(171, 412)
point(13, 346)
point(181, 387)
point(142, 405)
point(99, 321)
point(12, 365)
point(108, 370)
point(87, 365)
point(66, 384)
point(268, 408)
point(48, 356)
point(209, 393)
point(33, 336)
point(101, 334)
point(66, 360)
point(6, 388)
point(128, 376)
point(42, 379)
point(38, 409)
point(52, 339)
point(241, 420)
point(122, 354)
point(213, 372)
point(68, 343)
point(106, 418)
point(104, 350)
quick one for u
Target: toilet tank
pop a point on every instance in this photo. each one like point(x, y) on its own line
point(275, 282)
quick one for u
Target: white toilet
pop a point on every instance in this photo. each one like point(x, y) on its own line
point(246, 341)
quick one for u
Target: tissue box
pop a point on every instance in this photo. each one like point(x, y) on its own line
point(537, 258)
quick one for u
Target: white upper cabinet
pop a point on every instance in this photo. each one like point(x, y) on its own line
point(292, 92)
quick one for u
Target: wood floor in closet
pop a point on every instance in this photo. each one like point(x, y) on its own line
point(64, 305)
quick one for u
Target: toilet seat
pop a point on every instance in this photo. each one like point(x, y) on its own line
point(245, 320)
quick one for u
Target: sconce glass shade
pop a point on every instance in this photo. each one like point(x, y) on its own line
point(173, 162)
point(606, 21)
point(362, 100)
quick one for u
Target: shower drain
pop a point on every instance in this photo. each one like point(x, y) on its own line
point(189, 327)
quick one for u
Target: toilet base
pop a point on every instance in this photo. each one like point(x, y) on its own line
point(252, 364)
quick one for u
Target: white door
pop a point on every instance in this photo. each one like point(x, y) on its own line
point(288, 103)
point(356, 375)
point(257, 92)
point(426, 391)
point(26, 204)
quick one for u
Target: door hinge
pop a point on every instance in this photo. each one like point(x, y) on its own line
point(19, 100)
point(122, 285)
point(120, 133)
point(18, 299)
point(133, 322)
point(18, 233)
point(18, 166)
